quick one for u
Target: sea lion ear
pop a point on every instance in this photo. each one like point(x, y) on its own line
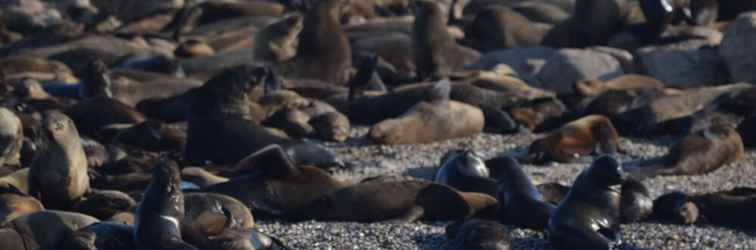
point(440, 91)
point(268, 161)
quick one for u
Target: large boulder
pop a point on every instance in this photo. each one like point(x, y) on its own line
point(686, 64)
point(739, 48)
point(569, 66)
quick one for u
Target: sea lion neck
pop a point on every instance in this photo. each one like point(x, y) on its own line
point(97, 81)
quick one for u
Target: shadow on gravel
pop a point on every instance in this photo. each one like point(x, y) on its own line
point(429, 241)
point(428, 173)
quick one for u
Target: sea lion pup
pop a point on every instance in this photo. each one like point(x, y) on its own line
point(636, 203)
point(435, 119)
point(725, 208)
point(465, 170)
point(100, 236)
point(11, 138)
point(699, 153)
point(624, 82)
point(499, 27)
point(161, 212)
point(436, 52)
point(587, 135)
point(401, 201)
point(676, 207)
point(14, 204)
point(273, 174)
point(58, 176)
point(520, 203)
point(105, 204)
point(588, 218)
point(323, 52)
point(98, 108)
point(477, 234)
point(48, 229)
point(278, 42)
point(222, 105)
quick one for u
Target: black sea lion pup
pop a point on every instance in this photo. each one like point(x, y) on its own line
point(59, 176)
point(590, 134)
point(159, 215)
point(520, 202)
point(588, 218)
point(701, 152)
point(728, 208)
point(435, 119)
point(466, 171)
point(101, 236)
point(675, 207)
point(271, 174)
point(477, 234)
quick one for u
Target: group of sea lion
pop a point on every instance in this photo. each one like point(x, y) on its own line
point(168, 124)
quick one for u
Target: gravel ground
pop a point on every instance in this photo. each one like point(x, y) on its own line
point(420, 160)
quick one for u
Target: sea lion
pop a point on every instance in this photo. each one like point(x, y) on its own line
point(278, 42)
point(499, 27)
point(538, 115)
point(521, 204)
point(105, 204)
point(590, 134)
point(676, 207)
point(276, 186)
point(723, 208)
point(436, 52)
point(402, 201)
point(14, 204)
point(11, 138)
point(198, 203)
point(161, 212)
point(624, 82)
point(220, 112)
point(435, 119)
point(58, 176)
point(48, 229)
point(18, 180)
point(699, 153)
point(102, 235)
point(636, 203)
point(593, 22)
point(477, 234)
point(553, 192)
point(152, 135)
point(215, 231)
point(465, 170)
point(323, 52)
point(588, 218)
point(201, 177)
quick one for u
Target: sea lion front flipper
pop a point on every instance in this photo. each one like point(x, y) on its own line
point(269, 161)
point(411, 215)
point(439, 92)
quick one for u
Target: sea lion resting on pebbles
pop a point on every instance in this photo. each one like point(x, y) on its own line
point(477, 234)
point(577, 138)
point(726, 208)
point(438, 118)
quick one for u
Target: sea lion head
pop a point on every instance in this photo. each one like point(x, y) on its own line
point(676, 207)
point(166, 177)
point(606, 171)
point(466, 162)
point(59, 128)
point(428, 8)
point(96, 80)
point(239, 80)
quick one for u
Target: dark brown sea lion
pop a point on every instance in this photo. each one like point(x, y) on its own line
point(477, 234)
point(593, 22)
point(538, 115)
point(636, 203)
point(323, 52)
point(222, 105)
point(589, 216)
point(58, 176)
point(153, 136)
point(699, 153)
point(465, 170)
point(215, 231)
point(676, 207)
point(277, 186)
point(161, 212)
point(14, 204)
point(623, 82)
point(278, 42)
point(578, 138)
point(105, 204)
point(49, 229)
point(436, 52)
point(725, 208)
point(102, 235)
point(435, 119)
point(499, 27)
point(214, 11)
point(521, 204)
point(403, 201)
point(198, 203)
point(11, 138)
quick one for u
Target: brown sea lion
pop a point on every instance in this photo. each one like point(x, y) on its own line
point(403, 201)
point(499, 27)
point(14, 204)
point(435, 119)
point(278, 42)
point(48, 229)
point(589, 216)
point(623, 82)
point(161, 212)
point(153, 136)
point(58, 176)
point(590, 134)
point(105, 204)
point(699, 153)
point(198, 203)
point(222, 105)
point(11, 138)
point(538, 115)
point(436, 52)
point(323, 52)
point(277, 186)
point(477, 234)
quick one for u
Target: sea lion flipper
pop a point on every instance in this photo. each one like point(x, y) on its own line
point(270, 160)
point(440, 91)
point(411, 215)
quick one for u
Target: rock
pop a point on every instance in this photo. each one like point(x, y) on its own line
point(568, 66)
point(739, 49)
point(525, 61)
point(685, 65)
point(625, 58)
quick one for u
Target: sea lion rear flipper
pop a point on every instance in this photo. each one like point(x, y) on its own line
point(270, 161)
point(411, 215)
